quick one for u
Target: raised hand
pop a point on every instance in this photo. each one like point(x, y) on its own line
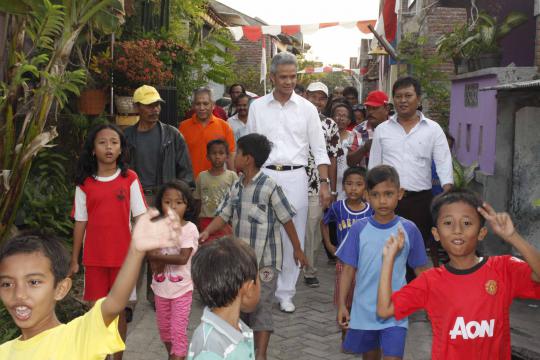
point(151, 234)
point(500, 223)
point(394, 244)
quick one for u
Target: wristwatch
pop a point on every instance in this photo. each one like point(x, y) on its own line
point(334, 193)
point(325, 180)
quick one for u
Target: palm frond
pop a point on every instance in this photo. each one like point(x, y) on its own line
point(62, 85)
point(47, 24)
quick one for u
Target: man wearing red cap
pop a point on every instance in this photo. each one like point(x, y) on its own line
point(377, 111)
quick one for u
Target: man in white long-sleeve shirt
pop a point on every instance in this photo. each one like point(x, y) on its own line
point(410, 142)
point(293, 126)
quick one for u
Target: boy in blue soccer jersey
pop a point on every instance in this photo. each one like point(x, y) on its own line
point(344, 213)
point(361, 254)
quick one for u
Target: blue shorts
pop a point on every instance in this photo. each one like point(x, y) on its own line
point(391, 340)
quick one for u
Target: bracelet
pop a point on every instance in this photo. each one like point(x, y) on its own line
point(334, 193)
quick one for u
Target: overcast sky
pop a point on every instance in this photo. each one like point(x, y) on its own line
point(331, 45)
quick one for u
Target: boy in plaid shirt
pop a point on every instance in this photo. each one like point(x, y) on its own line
point(257, 207)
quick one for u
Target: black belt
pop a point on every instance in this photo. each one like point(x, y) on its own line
point(283, 167)
point(409, 193)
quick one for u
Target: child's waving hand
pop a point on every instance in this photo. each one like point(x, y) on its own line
point(394, 244)
point(151, 234)
point(500, 223)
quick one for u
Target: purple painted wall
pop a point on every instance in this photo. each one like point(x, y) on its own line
point(518, 46)
point(474, 128)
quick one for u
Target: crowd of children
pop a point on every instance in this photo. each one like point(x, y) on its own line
point(234, 262)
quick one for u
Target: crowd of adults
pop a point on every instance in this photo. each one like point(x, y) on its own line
point(316, 134)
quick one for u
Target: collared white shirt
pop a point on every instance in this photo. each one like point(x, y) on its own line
point(238, 126)
point(411, 154)
point(293, 128)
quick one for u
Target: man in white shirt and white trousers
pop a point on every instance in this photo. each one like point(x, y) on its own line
point(293, 126)
point(410, 142)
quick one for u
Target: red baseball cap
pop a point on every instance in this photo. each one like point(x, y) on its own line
point(376, 98)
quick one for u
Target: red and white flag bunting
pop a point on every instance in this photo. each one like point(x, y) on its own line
point(327, 69)
point(254, 33)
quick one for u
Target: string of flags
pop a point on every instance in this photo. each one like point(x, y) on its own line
point(254, 33)
point(329, 69)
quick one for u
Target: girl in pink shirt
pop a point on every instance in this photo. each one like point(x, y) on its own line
point(171, 268)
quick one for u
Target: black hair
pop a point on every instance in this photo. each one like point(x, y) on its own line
point(217, 142)
point(243, 95)
point(345, 105)
point(299, 88)
point(184, 188)
point(381, 173)
point(256, 145)
point(49, 246)
point(220, 268)
point(332, 100)
point(350, 90)
point(361, 108)
point(358, 170)
point(406, 82)
point(454, 196)
point(235, 85)
point(87, 164)
point(391, 109)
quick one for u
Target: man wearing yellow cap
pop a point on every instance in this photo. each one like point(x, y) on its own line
point(158, 151)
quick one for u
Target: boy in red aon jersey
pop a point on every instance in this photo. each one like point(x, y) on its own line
point(467, 300)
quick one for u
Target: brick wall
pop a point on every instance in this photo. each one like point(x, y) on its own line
point(249, 52)
point(440, 21)
point(248, 59)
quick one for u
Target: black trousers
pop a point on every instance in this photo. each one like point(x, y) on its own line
point(415, 206)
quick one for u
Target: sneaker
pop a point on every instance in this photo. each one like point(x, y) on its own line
point(312, 282)
point(287, 306)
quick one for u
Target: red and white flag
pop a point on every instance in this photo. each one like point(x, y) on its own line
point(254, 33)
point(386, 25)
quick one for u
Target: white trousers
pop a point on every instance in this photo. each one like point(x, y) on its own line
point(294, 184)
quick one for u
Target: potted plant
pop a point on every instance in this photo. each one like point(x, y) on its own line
point(136, 62)
point(93, 98)
point(451, 45)
point(484, 45)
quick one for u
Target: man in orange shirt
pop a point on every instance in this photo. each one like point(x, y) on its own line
point(204, 127)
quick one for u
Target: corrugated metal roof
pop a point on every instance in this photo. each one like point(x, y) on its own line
point(515, 85)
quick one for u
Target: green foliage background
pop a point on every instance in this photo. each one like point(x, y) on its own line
point(435, 83)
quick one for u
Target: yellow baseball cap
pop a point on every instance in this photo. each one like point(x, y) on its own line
point(146, 95)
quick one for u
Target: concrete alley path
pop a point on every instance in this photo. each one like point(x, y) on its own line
point(311, 333)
